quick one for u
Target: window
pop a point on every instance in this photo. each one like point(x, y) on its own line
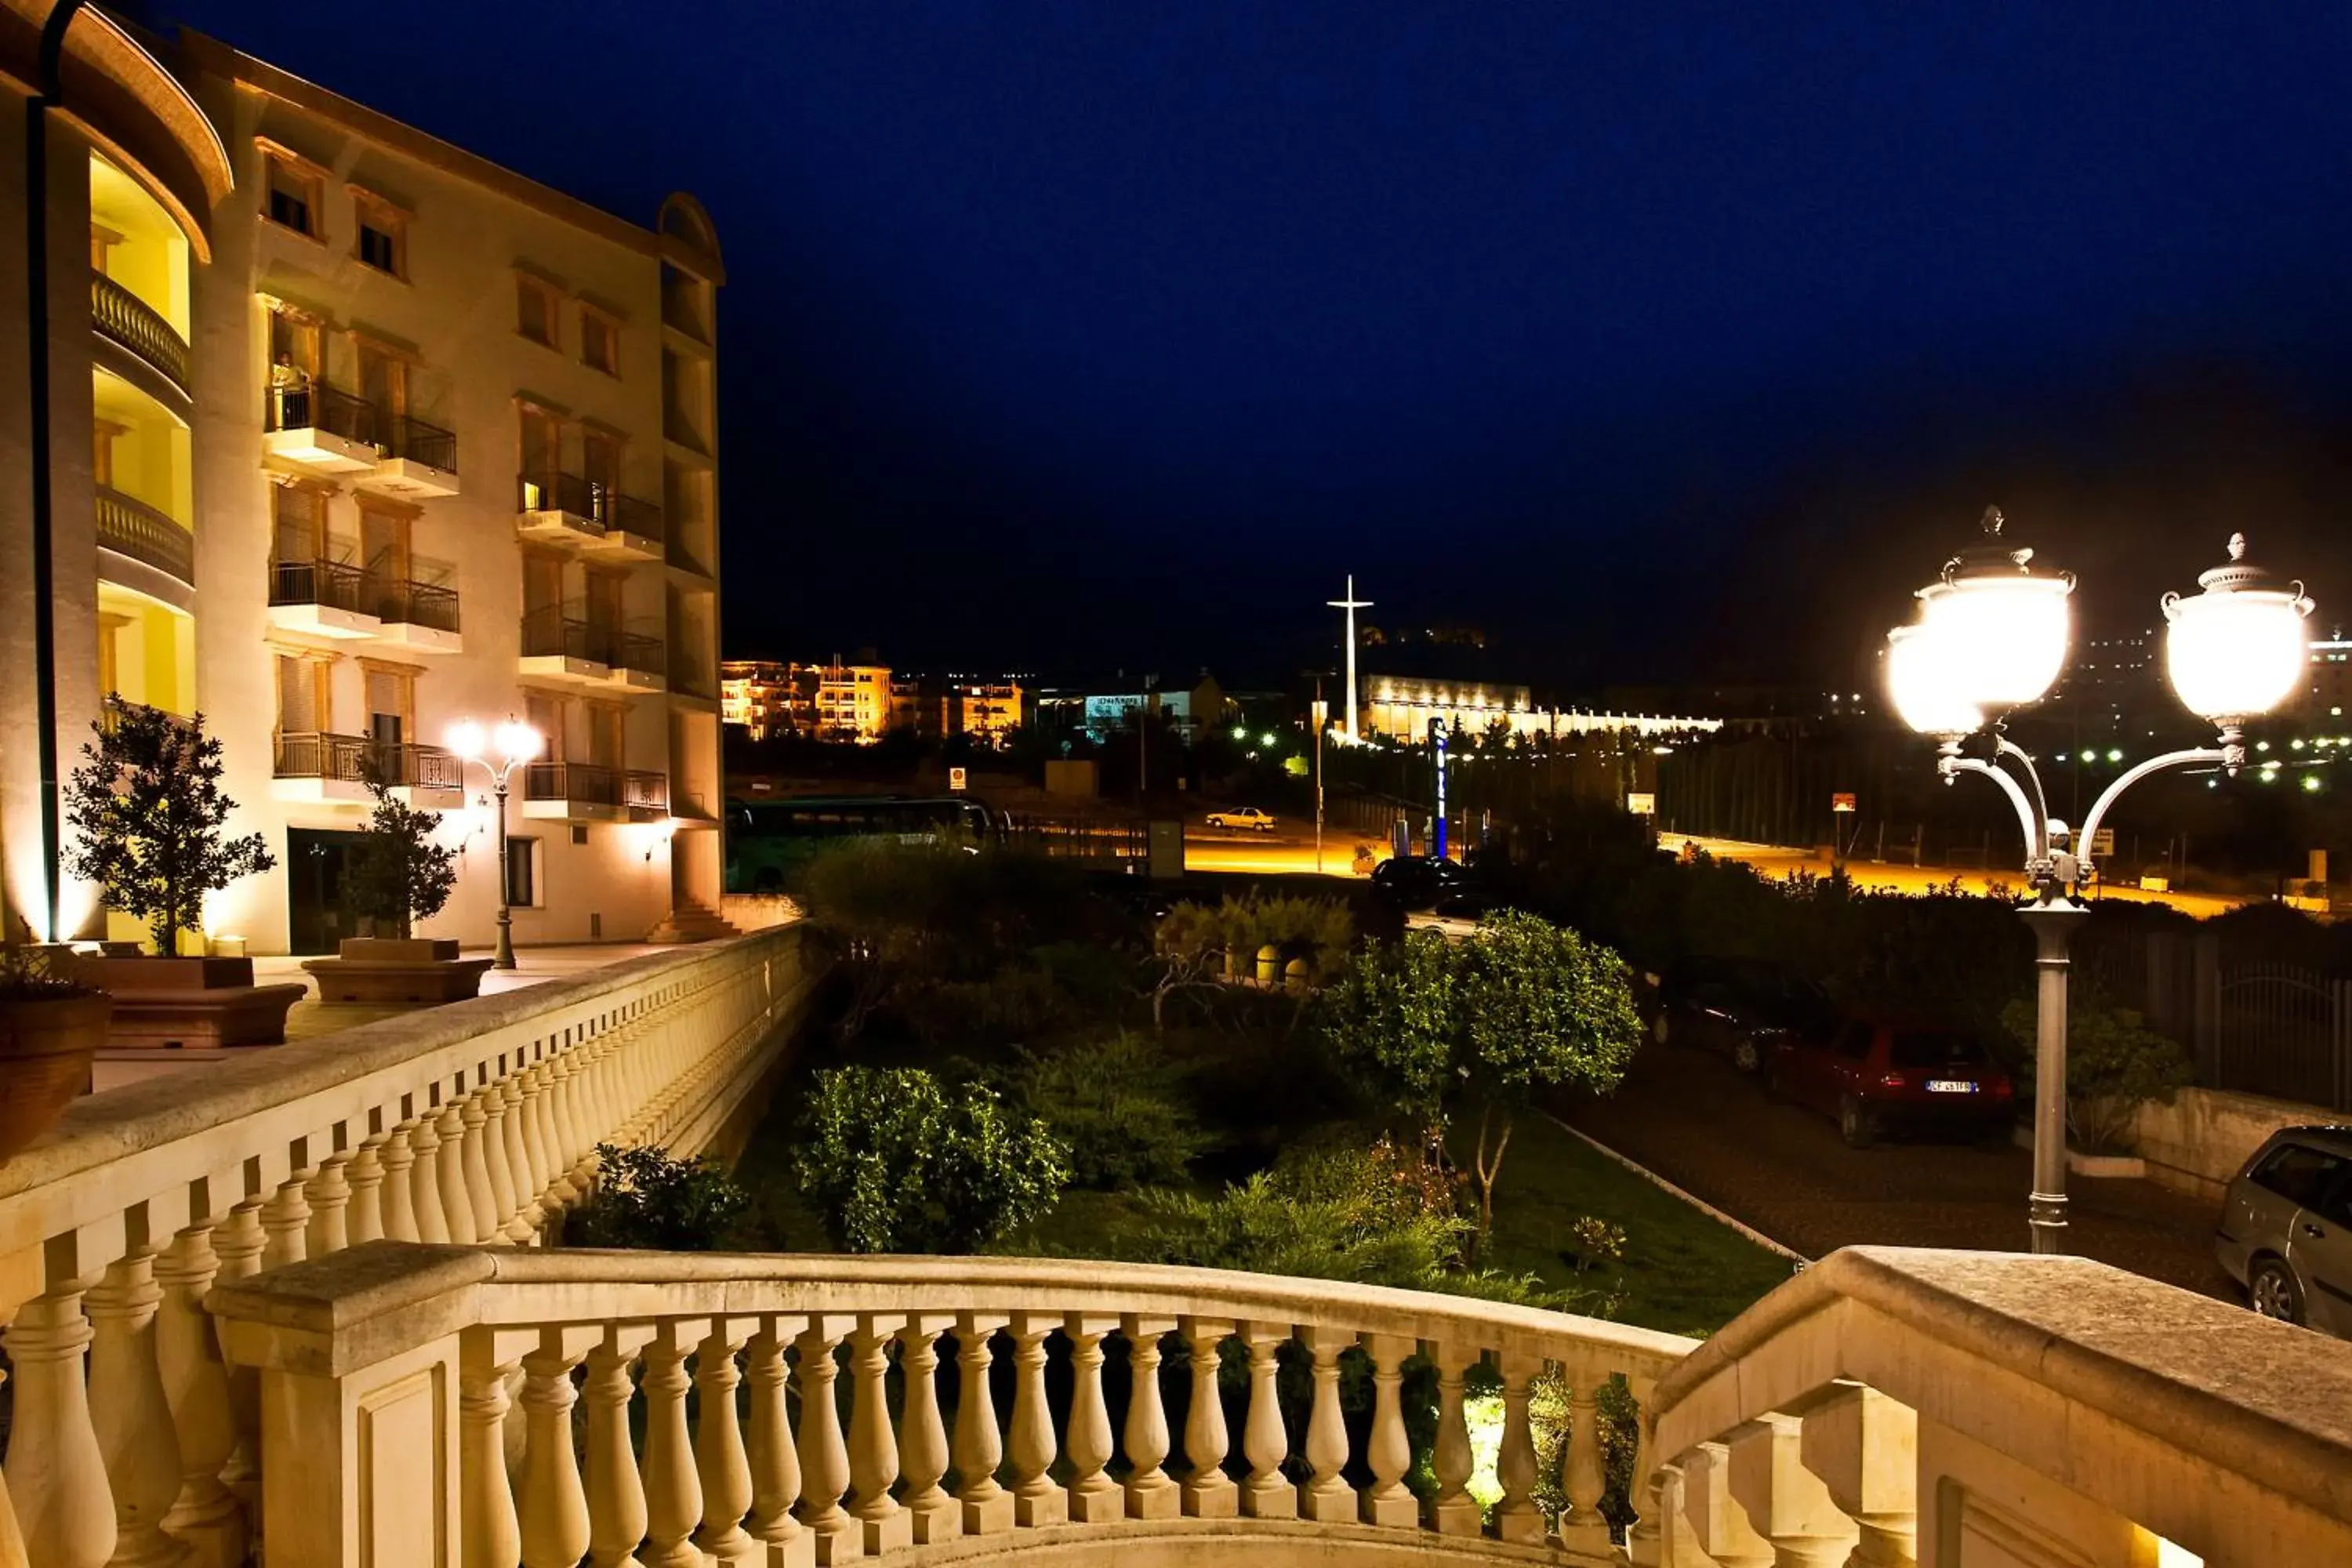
point(293, 191)
point(2297, 1172)
point(523, 872)
point(600, 342)
point(535, 310)
point(383, 235)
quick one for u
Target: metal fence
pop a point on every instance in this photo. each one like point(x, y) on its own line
point(2253, 1026)
point(1114, 841)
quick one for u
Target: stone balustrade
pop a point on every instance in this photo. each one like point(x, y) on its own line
point(1890, 1407)
point(132, 1440)
point(417, 1408)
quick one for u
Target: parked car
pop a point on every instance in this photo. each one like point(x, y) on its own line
point(1878, 1076)
point(1744, 1007)
point(1242, 816)
point(1417, 881)
point(1455, 915)
point(2286, 1228)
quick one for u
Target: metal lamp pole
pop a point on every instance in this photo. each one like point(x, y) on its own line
point(506, 958)
point(516, 743)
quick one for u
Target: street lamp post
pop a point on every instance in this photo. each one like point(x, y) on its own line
point(1991, 635)
point(516, 744)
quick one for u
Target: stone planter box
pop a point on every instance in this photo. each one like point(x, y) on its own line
point(2111, 1166)
point(392, 972)
point(46, 1046)
point(169, 1003)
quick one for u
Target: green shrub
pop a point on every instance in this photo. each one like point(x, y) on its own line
point(645, 1199)
point(1119, 1103)
point(2115, 1064)
point(895, 1162)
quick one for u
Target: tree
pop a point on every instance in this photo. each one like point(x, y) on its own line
point(645, 1198)
point(2115, 1064)
point(147, 808)
point(395, 872)
point(895, 1163)
point(1522, 1006)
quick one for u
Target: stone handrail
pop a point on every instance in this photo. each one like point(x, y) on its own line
point(2053, 1409)
point(473, 1122)
point(128, 320)
point(443, 1346)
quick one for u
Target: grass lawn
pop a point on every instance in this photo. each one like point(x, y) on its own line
point(1683, 1272)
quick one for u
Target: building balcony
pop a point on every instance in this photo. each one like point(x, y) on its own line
point(637, 662)
point(335, 599)
point(591, 517)
point(632, 530)
point(565, 650)
point(320, 430)
point(420, 462)
point(316, 767)
point(574, 792)
point(133, 528)
point(124, 318)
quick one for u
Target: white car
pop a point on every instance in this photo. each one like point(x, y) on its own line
point(1242, 816)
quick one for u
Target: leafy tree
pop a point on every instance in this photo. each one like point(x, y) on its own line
point(396, 873)
point(1119, 1104)
point(147, 808)
point(1393, 1023)
point(645, 1199)
point(2115, 1064)
point(896, 1164)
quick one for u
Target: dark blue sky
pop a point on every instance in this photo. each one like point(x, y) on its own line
point(1651, 336)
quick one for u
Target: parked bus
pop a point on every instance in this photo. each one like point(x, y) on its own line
point(769, 841)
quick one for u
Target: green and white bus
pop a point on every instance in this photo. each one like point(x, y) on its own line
point(769, 842)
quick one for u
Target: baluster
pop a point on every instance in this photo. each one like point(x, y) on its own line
point(825, 1459)
point(56, 1471)
point(775, 1465)
point(554, 1526)
point(285, 1223)
point(719, 1459)
point(524, 1216)
point(1095, 1497)
point(425, 1179)
point(616, 1496)
point(563, 1130)
point(922, 1438)
point(1517, 1517)
point(239, 1244)
point(490, 1188)
point(1644, 1545)
point(365, 1175)
point(1787, 1503)
point(1388, 1452)
point(873, 1446)
point(1719, 1524)
point(1864, 1447)
point(398, 1157)
point(1150, 1493)
point(1208, 1492)
point(1583, 1529)
point(1037, 1500)
point(492, 1537)
point(449, 1178)
point(1267, 1493)
point(532, 1088)
point(1454, 1511)
point(986, 1506)
point(1327, 1497)
point(195, 1386)
point(130, 1412)
point(672, 1490)
point(328, 1194)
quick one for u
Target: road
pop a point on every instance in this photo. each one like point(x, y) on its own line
point(1693, 1118)
point(1780, 861)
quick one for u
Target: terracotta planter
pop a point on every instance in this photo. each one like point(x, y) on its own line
point(46, 1046)
point(398, 949)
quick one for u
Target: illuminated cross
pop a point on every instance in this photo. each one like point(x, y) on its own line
point(1351, 604)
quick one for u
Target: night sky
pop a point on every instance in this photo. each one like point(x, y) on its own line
point(1661, 340)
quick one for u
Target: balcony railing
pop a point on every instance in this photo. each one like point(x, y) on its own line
point(321, 407)
point(414, 439)
point(636, 651)
point(644, 791)
point(133, 527)
point(126, 319)
point(350, 759)
point(580, 783)
point(550, 634)
point(591, 499)
point(339, 586)
point(428, 604)
point(627, 514)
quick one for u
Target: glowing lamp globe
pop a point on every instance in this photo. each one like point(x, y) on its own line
point(517, 742)
point(466, 739)
point(2008, 624)
point(2238, 648)
point(1926, 684)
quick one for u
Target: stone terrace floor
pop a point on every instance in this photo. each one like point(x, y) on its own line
point(532, 964)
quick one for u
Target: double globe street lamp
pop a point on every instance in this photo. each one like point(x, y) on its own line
point(1990, 636)
point(515, 743)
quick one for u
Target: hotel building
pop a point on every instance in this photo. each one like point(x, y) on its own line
point(352, 435)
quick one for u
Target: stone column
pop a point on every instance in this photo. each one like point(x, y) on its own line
point(238, 1244)
point(1037, 1500)
point(986, 1507)
point(672, 1490)
point(492, 1537)
point(1207, 1492)
point(1267, 1493)
point(1453, 1512)
point(398, 1157)
point(775, 1465)
point(617, 1496)
point(365, 1175)
point(554, 1528)
point(719, 1459)
point(1646, 1537)
point(490, 1215)
point(285, 1225)
point(922, 1436)
point(56, 1471)
point(329, 1195)
point(1094, 1497)
point(130, 1413)
point(524, 1217)
point(1865, 1449)
point(1150, 1493)
point(1787, 1503)
point(1328, 1497)
point(1583, 1529)
point(426, 1188)
point(450, 1167)
point(825, 1458)
point(1517, 1517)
point(1388, 1450)
point(882, 1525)
point(196, 1385)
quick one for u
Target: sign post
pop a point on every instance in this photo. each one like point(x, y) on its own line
point(1437, 745)
point(958, 780)
point(1641, 804)
point(1321, 715)
point(1841, 804)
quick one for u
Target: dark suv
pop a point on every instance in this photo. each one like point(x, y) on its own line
point(2286, 1228)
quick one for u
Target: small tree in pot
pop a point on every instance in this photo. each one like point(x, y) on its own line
point(397, 874)
point(148, 812)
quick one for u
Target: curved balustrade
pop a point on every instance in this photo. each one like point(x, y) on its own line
point(475, 1122)
point(131, 527)
point(126, 319)
point(1105, 1425)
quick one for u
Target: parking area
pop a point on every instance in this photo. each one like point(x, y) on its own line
point(1692, 1118)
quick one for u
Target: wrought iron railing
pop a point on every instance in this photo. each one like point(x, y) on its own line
point(627, 514)
point(320, 407)
point(354, 759)
point(644, 791)
point(334, 584)
point(634, 650)
point(570, 494)
point(426, 605)
point(550, 634)
point(133, 527)
point(430, 443)
point(126, 319)
point(582, 783)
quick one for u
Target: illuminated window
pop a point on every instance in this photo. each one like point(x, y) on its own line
point(535, 310)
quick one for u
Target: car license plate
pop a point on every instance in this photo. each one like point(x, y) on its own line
point(1950, 1086)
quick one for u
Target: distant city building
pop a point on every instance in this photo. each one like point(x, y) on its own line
point(825, 702)
point(2328, 693)
point(1400, 707)
point(2113, 683)
point(988, 711)
point(1105, 712)
point(760, 696)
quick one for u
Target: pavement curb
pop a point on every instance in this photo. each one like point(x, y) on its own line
point(1656, 1179)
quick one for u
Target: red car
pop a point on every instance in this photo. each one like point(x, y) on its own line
point(1880, 1075)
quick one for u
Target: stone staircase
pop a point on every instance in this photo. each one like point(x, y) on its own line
point(691, 922)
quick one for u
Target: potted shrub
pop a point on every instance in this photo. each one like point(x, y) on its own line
point(397, 874)
point(51, 1024)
